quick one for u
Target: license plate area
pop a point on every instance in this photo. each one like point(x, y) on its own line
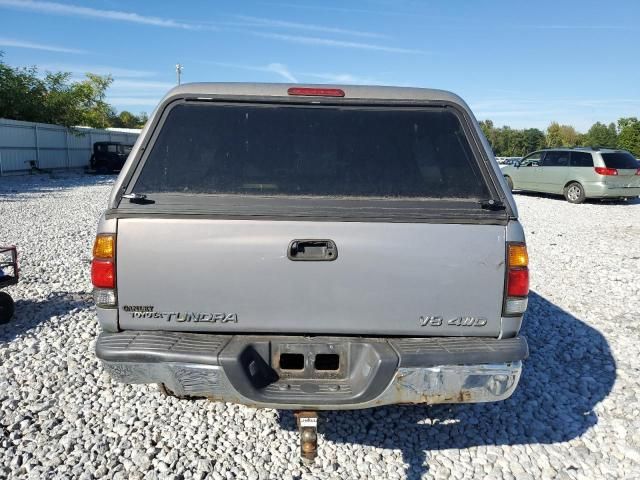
point(310, 360)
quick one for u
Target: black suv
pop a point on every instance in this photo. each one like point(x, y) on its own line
point(109, 157)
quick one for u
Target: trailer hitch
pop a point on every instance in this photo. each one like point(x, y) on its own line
point(308, 428)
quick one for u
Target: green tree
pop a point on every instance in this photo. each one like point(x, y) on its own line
point(52, 97)
point(533, 140)
point(629, 137)
point(508, 142)
point(602, 135)
point(21, 93)
point(554, 136)
point(489, 131)
point(127, 119)
point(562, 136)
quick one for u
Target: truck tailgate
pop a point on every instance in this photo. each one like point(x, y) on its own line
point(235, 276)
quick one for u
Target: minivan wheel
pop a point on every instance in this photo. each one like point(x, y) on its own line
point(509, 182)
point(574, 193)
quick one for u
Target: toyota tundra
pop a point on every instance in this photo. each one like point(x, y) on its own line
point(312, 248)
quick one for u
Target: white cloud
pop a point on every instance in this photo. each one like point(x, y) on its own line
point(119, 84)
point(78, 11)
point(287, 74)
point(267, 22)
point(335, 43)
point(347, 78)
point(390, 10)
point(281, 70)
point(97, 69)
point(539, 113)
point(8, 42)
point(134, 101)
point(277, 68)
point(576, 27)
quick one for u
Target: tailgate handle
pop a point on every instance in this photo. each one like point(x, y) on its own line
point(312, 250)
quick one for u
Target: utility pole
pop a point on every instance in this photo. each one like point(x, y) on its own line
point(178, 71)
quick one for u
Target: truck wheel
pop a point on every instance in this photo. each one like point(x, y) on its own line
point(509, 182)
point(6, 307)
point(574, 193)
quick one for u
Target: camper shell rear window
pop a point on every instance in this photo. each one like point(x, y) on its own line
point(261, 158)
point(312, 151)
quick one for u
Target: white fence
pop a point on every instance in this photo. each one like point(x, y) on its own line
point(51, 146)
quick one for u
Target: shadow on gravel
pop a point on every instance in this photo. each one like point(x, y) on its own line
point(569, 371)
point(30, 313)
point(595, 201)
point(47, 183)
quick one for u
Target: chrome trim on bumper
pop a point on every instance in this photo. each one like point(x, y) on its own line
point(429, 385)
point(246, 369)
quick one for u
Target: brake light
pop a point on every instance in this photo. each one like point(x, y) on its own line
point(517, 287)
point(518, 282)
point(316, 92)
point(103, 274)
point(606, 171)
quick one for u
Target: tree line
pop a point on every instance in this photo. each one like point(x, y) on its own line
point(509, 142)
point(53, 97)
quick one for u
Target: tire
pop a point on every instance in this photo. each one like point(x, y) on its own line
point(509, 182)
point(574, 193)
point(7, 307)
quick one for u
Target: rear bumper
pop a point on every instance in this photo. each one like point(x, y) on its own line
point(602, 190)
point(371, 372)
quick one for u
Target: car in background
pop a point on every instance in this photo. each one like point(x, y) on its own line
point(577, 173)
point(509, 161)
point(109, 157)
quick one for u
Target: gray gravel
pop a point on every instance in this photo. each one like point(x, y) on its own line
point(575, 415)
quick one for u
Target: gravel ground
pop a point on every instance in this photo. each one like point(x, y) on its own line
point(575, 415)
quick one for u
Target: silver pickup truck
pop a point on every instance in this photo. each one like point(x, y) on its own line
point(312, 248)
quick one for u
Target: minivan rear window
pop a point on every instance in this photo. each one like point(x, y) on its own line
point(319, 151)
point(620, 160)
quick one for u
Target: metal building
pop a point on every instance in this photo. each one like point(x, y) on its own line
point(52, 146)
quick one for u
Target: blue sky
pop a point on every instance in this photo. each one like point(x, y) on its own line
point(520, 63)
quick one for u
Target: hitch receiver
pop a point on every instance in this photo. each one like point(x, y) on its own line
point(308, 428)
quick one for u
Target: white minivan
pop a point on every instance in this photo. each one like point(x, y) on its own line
point(577, 173)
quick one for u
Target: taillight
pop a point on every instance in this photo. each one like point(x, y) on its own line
point(606, 171)
point(638, 171)
point(316, 92)
point(517, 281)
point(103, 274)
point(103, 270)
point(104, 246)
